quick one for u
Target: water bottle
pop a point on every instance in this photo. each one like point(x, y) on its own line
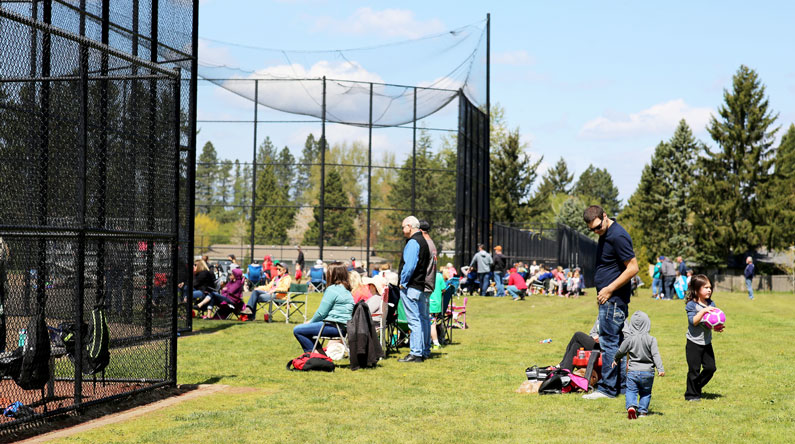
point(581, 353)
point(545, 341)
point(23, 337)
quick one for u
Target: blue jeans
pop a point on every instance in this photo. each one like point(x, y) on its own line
point(656, 286)
point(415, 303)
point(639, 385)
point(305, 332)
point(611, 323)
point(498, 281)
point(484, 283)
point(258, 296)
point(750, 286)
point(515, 292)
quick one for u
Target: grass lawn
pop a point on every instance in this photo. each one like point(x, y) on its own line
point(466, 392)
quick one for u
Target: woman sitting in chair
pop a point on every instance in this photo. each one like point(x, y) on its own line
point(265, 293)
point(336, 306)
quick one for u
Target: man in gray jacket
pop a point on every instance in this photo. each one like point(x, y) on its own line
point(668, 271)
point(483, 261)
point(643, 356)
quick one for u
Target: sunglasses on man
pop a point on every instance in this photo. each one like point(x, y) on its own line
point(598, 227)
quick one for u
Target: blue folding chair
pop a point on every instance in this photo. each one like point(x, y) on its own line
point(316, 279)
point(254, 275)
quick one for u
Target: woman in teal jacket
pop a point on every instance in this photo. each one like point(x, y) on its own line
point(336, 306)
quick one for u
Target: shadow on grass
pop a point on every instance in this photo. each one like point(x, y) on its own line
point(214, 380)
point(711, 395)
point(213, 329)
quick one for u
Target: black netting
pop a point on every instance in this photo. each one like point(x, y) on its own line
point(94, 168)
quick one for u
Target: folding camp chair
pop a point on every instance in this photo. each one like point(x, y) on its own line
point(321, 337)
point(446, 317)
point(458, 313)
point(254, 275)
point(316, 279)
point(394, 336)
point(291, 303)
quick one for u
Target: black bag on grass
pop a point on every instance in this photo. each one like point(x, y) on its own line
point(311, 361)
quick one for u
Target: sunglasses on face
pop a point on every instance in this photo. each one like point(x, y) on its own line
point(598, 227)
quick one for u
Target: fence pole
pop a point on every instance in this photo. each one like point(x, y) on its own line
point(413, 152)
point(322, 172)
point(369, 178)
point(191, 167)
point(151, 180)
point(81, 210)
point(175, 242)
point(254, 168)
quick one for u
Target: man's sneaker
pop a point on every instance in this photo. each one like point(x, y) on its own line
point(246, 310)
point(642, 414)
point(632, 413)
point(597, 395)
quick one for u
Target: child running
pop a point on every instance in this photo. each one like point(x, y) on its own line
point(699, 354)
point(642, 356)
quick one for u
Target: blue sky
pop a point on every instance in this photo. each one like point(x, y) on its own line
point(594, 82)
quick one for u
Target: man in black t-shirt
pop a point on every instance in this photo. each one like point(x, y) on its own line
point(615, 266)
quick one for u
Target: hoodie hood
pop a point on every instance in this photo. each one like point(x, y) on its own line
point(639, 323)
point(238, 273)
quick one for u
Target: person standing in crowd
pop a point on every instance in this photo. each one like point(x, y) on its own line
point(500, 267)
point(483, 261)
point(413, 268)
point(668, 277)
point(300, 260)
point(615, 266)
point(749, 276)
point(656, 279)
point(232, 262)
point(682, 268)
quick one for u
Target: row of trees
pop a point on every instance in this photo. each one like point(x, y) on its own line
point(710, 204)
point(287, 204)
point(557, 198)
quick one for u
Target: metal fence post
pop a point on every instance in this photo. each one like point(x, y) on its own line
point(322, 172)
point(369, 177)
point(254, 169)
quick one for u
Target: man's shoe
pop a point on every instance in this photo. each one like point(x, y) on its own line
point(411, 358)
point(597, 395)
point(693, 399)
point(632, 413)
point(246, 311)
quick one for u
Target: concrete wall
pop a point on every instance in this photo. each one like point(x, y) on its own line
point(725, 282)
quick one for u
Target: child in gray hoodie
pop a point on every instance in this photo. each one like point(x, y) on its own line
point(642, 357)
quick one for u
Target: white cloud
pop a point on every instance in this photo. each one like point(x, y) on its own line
point(388, 22)
point(515, 58)
point(215, 55)
point(660, 119)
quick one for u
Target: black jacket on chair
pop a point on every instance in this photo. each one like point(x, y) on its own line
point(365, 348)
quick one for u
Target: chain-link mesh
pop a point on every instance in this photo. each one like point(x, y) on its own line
point(93, 208)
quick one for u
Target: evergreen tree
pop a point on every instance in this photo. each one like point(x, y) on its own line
point(309, 155)
point(206, 178)
point(285, 171)
point(677, 171)
point(512, 177)
point(570, 214)
point(274, 211)
point(730, 201)
point(595, 185)
point(557, 179)
point(338, 227)
point(782, 192)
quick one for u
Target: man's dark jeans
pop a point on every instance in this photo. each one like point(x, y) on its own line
point(611, 323)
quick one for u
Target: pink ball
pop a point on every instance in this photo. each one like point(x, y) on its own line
point(714, 318)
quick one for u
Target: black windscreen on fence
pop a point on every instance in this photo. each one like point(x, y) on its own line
point(472, 187)
point(552, 246)
point(92, 168)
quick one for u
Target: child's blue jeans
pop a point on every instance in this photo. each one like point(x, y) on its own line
point(639, 385)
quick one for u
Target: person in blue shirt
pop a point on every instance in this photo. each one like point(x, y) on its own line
point(615, 266)
point(749, 277)
point(413, 268)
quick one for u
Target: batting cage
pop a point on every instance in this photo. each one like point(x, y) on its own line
point(94, 168)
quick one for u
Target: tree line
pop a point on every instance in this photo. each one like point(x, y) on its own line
point(287, 203)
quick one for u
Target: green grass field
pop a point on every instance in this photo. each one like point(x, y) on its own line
point(466, 393)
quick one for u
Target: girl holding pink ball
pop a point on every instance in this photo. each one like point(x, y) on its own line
point(699, 353)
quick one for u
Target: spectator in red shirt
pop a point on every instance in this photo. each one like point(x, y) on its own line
point(517, 286)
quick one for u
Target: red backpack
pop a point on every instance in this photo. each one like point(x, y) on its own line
point(311, 361)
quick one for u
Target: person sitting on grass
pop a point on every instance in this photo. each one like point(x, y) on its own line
point(280, 284)
point(517, 287)
point(335, 306)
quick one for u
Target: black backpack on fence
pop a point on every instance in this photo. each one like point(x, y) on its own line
point(96, 349)
point(30, 365)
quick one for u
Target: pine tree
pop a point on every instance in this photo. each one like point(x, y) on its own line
point(338, 227)
point(274, 211)
point(595, 186)
point(512, 177)
point(206, 178)
point(570, 214)
point(557, 179)
point(729, 198)
point(309, 155)
point(782, 192)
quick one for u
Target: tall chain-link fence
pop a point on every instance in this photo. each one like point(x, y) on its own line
point(93, 213)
